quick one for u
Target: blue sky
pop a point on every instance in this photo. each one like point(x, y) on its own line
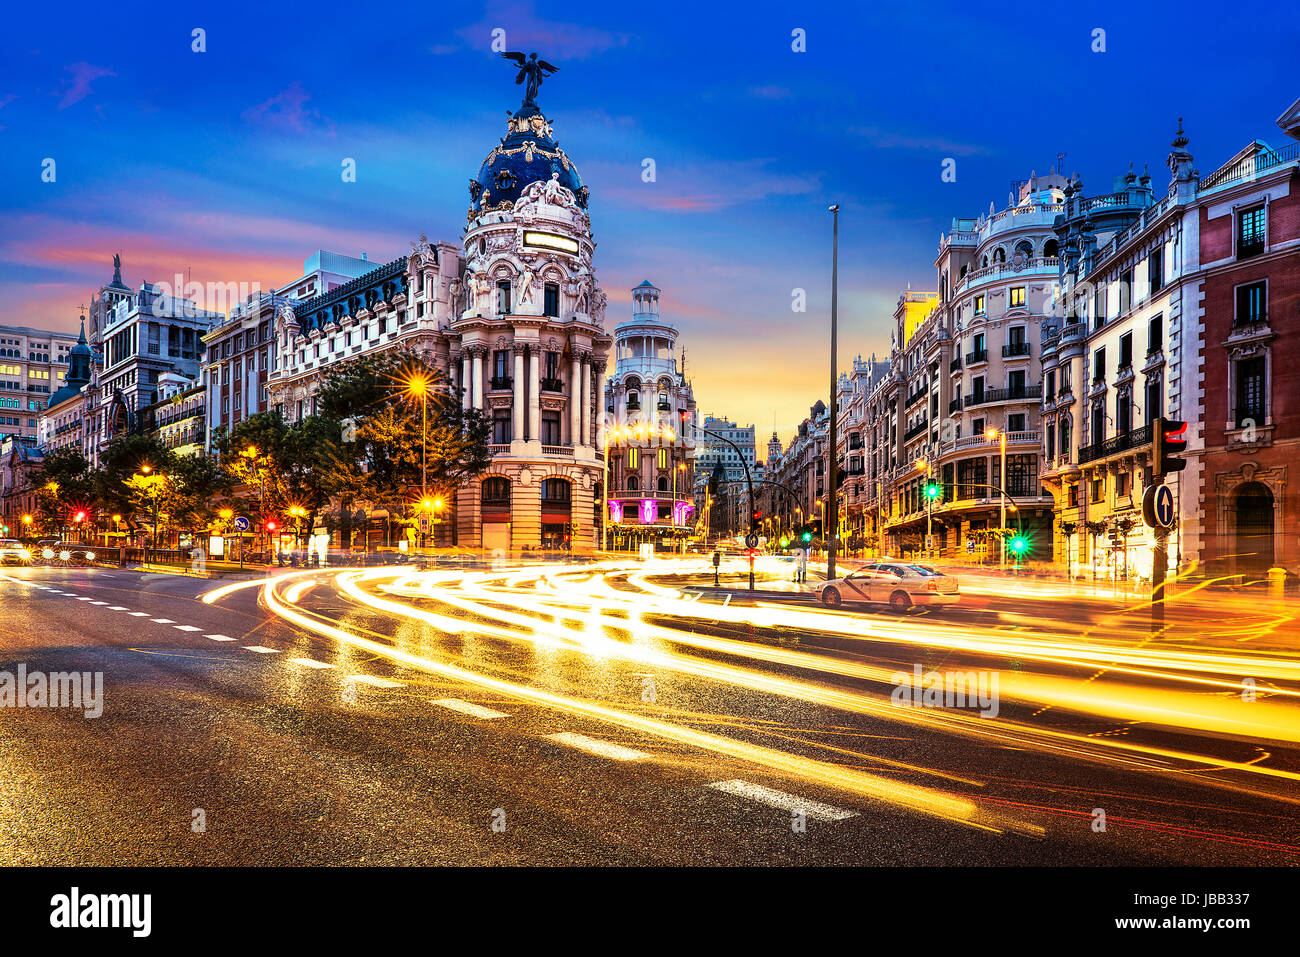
point(227, 162)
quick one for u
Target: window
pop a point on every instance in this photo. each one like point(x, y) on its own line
point(1250, 304)
point(979, 305)
point(501, 427)
point(1063, 436)
point(1155, 335)
point(1123, 412)
point(1074, 496)
point(977, 427)
point(1016, 422)
point(1099, 308)
point(552, 365)
point(1098, 490)
point(1049, 386)
point(1099, 365)
point(1126, 350)
point(1250, 232)
point(503, 297)
point(1125, 291)
point(633, 483)
point(663, 458)
point(1016, 384)
point(551, 299)
point(1154, 405)
point(1156, 269)
point(633, 458)
point(496, 492)
point(1251, 391)
point(1098, 423)
point(1017, 296)
point(1122, 485)
point(551, 428)
point(500, 367)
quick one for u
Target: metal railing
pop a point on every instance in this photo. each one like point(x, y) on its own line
point(980, 355)
point(1123, 442)
point(1015, 349)
point(1004, 395)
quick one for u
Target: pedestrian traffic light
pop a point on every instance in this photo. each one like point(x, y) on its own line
point(1168, 443)
point(932, 491)
point(1019, 545)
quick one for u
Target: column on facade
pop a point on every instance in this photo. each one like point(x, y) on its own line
point(534, 396)
point(586, 400)
point(575, 401)
point(600, 405)
point(466, 396)
point(517, 408)
point(477, 373)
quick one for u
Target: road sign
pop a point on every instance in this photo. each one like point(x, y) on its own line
point(242, 523)
point(1158, 506)
point(751, 540)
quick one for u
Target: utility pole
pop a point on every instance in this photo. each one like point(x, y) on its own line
point(832, 510)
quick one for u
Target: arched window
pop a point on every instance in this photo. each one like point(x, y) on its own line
point(496, 492)
point(633, 483)
point(1063, 435)
point(1050, 249)
point(555, 490)
point(633, 400)
point(999, 255)
point(663, 484)
point(984, 262)
point(1025, 248)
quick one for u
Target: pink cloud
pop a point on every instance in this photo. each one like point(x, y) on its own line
point(526, 32)
point(83, 74)
point(288, 110)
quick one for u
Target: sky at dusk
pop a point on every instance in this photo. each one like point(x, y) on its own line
point(227, 163)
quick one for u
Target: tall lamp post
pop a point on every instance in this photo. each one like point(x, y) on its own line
point(832, 505)
point(1001, 436)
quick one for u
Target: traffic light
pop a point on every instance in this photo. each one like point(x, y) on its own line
point(80, 516)
point(785, 541)
point(932, 491)
point(758, 514)
point(271, 525)
point(1019, 545)
point(806, 534)
point(1168, 443)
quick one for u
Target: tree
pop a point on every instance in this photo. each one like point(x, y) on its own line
point(195, 482)
point(64, 487)
point(123, 458)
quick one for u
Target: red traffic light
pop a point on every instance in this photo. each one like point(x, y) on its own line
point(79, 517)
point(271, 525)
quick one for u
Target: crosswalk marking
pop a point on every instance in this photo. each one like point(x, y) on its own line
point(260, 649)
point(375, 682)
point(311, 663)
point(604, 749)
point(469, 708)
point(186, 628)
point(780, 799)
point(219, 637)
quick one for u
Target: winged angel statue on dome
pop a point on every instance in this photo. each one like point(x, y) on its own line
point(534, 71)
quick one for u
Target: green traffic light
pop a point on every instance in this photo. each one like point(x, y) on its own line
point(806, 537)
point(932, 491)
point(1019, 544)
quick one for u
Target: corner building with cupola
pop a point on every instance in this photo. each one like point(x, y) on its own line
point(514, 317)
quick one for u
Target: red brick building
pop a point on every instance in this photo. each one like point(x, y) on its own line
point(1249, 239)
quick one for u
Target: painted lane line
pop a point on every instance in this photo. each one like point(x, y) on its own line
point(261, 649)
point(311, 663)
point(99, 603)
point(469, 708)
point(139, 614)
point(375, 682)
point(603, 749)
point(162, 621)
point(83, 598)
point(780, 799)
point(117, 608)
point(219, 637)
point(186, 628)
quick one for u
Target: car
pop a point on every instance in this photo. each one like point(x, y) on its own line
point(901, 585)
point(13, 552)
point(67, 553)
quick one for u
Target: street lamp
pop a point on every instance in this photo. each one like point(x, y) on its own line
point(830, 447)
point(1001, 436)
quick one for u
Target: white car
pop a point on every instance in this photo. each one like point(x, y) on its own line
point(897, 584)
point(14, 551)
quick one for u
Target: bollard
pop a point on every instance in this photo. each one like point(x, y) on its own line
point(1277, 582)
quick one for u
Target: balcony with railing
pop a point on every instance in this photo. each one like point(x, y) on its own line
point(955, 365)
point(989, 396)
point(979, 355)
point(918, 429)
point(557, 385)
point(955, 405)
point(500, 383)
point(1124, 442)
point(1014, 349)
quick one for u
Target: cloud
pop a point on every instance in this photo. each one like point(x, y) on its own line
point(697, 187)
point(892, 140)
point(288, 110)
point(553, 40)
point(83, 74)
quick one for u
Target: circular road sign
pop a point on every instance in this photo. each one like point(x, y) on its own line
point(751, 540)
point(242, 523)
point(1158, 509)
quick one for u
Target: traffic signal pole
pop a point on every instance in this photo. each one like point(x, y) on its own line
point(832, 515)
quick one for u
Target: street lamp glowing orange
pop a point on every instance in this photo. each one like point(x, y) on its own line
point(27, 519)
point(146, 469)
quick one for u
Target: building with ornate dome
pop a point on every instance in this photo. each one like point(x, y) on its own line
point(515, 319)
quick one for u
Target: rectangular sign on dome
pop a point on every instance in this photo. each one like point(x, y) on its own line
point(550, 241)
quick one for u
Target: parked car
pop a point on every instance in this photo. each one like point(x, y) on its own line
point(67, 553)
point(897, 584)
point(13, 552)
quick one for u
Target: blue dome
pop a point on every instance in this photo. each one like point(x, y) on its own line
point(523, 158)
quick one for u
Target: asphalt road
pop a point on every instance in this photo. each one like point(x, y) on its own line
point(514, 728)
